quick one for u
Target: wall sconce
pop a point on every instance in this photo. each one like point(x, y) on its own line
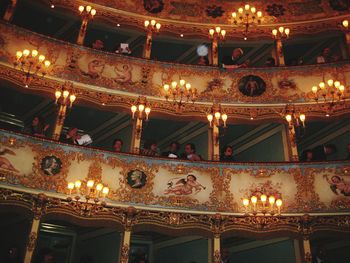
point(142, 107)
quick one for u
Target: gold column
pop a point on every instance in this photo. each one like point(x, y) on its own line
point(148, 46)
point(10, 10)
point(279, 52)
point(33, 236)
point(59, 122)
point(82, 31)
point(292, 145)
point(125, 248)
point(307, 251)
point(136, 136)
point(214, 51)
point(216, 249)
point(213, 143)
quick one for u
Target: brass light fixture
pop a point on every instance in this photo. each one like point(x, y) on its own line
point(87, 12)
point(141, 108)
point(89, 198)
point(262, 205)
point(281, 32)
point(217, 116)
point(32, 63)
point(152, 25)
point(328, 90)
point(65, 95)
point(247, 16)
point(180, 92)
point(217, 33)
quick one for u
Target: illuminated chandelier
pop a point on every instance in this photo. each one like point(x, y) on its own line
point(152, 25)
point(328, 91)
point(32, 64)
point(216, 116)
point(263, 205)
point(217, 33)
point(180, 92)
point(141, 108)
point(281, 33)
point(88, 199)
point(247, 16)
point(65, 95)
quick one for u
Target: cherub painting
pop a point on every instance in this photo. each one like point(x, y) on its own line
point(184, 186)
point(4, 162)
point(95, 69)
point(338, 185)
point(123, 74)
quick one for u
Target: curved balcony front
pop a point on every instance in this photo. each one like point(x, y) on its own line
point(41, 166)
point(111, 79)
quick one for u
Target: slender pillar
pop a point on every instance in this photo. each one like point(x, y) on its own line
point(291, 143)
point(214, 51)
point(125, 248)
point(10, 10)
point(62, 112)
point(279, 52)
point(307, 251)
point(216, 249)
point(148, 45)
point(213, 143)
point(32, 239)
point(136, 136)
point(82, 31)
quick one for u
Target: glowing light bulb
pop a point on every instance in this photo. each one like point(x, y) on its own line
point(47, 63)
point(289, 117)
point(133, 108)
point(314, 89)
point(19, 54)
point(330, 82)
point(81, 9)
point(336, 84)
point(278, 202)
point(93, 12)
point(158, 26)
point(26, 52)
point(217, 115)
point(341, 88)
point(274, 32)
point(210, 117)
point(253, 10)
point(72, 98)
point(65, 94)
point(147, 111)
point(77, 184)
point(246, 7)
point(240, 10)
point(224, 117)
point(141, 107)
point(234, 14)
point(223, 33)
point(174, 84)
point(211, 32)
point(287, 31)
point(302, 117)
point(41, 58)
point(259, 14)
point(105, 191)
point(281, 29)
point(245, 202)
point(218, 29)
point(153, 22)
point(345, 23)
point(263, 198)
point(146, 23)
point(70, 186)
point(90, 183)
point(321, 85)
point(272, 200)
point(34, 53)
point(166, 87)
point(188, 86)
point(88, 8)
point(254, 199)
point(99, 187)
point(182, 82)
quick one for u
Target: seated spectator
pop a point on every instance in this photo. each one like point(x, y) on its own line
point(190, 153)
point(38, 127)
point(227, 154)
point(231, 62)
point(326, 56)
point(98, 44)
point(150, 149)
point(72, 137)
point(117, 145)
point(203, 61)
point(320, 153)
point(270, 62)
point(123, 48)
point(306, 156)
point(46, 255)
point(348, 148)
point(173, 150)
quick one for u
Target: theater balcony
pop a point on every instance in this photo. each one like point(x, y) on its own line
point(116, 191)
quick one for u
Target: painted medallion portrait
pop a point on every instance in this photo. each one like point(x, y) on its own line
point(252, 86)
point(136, 179)
point(338, 185)
point(51, 165)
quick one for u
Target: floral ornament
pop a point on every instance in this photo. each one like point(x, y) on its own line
point(153, 6)
point(214, 11)
point(275, 10)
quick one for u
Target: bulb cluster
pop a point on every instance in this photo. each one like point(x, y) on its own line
point(263, 204)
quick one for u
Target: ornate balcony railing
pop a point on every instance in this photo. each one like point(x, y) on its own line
point(111, 77)
point(37, 165)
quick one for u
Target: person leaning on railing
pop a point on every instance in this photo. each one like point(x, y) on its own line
point(227, 154)
point(190, 153)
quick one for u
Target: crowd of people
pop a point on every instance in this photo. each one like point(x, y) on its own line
point(39, 128)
